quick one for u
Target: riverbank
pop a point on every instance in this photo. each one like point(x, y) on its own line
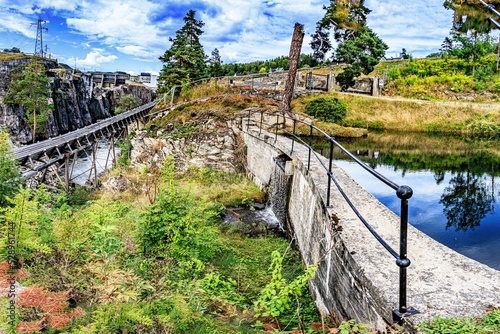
point(410, 115)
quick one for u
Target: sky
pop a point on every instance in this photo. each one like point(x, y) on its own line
point(130, 35)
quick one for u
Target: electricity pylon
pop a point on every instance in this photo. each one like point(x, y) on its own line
point(39, 37)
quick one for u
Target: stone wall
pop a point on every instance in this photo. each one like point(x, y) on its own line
point(216, 147)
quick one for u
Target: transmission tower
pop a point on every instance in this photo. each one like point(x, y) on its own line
point(39, 37)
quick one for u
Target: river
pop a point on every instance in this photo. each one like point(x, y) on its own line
point(456, 196)
point(83, 171)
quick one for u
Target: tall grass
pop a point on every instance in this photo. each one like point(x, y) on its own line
point(415, 116)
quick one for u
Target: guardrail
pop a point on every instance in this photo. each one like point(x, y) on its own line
point(403, 192)
point(228, 84)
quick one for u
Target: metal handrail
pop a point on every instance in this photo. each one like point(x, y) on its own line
point(403, 192)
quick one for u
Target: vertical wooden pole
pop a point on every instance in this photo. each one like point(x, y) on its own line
point(293, 60)
point(94, 163)
point(66, 171)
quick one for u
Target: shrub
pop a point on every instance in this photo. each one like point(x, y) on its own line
point(10, 177)
point(327, 109)
point(394, 73)
point(126, 103)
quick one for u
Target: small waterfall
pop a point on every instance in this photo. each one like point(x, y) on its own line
point(278, 195)
point(271, 218)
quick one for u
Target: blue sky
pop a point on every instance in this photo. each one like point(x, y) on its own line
point(130, 35)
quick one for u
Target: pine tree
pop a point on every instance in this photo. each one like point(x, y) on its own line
point(30, 88)
point(216, 69)
point(185, 60)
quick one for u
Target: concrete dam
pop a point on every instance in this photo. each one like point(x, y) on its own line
point(357, 278)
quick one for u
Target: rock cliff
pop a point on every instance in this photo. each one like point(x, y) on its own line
point(77, 101)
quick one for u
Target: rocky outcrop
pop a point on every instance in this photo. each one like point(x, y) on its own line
point(220, 147)
point(77, 101)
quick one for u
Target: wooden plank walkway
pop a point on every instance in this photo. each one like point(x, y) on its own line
point(54, 148)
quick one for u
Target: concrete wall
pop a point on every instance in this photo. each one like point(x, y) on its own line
point(357, 278)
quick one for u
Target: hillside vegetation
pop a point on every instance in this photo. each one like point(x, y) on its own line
point(443, 79)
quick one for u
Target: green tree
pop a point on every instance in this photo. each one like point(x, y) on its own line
point(471, 47)
point(358, 46)
point(362, 52)
point(320, 41)
point(344, 17)
point(30, 88)
point(470, 16)
point(185, 60)
point(22, 215)
point(10, 176)
point(215, 64)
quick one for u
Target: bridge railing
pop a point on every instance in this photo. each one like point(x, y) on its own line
point(277, 123)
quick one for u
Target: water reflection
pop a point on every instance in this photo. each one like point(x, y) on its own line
point(453, 180)
point(466, 201)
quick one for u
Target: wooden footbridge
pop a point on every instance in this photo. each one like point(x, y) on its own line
point(39, 156)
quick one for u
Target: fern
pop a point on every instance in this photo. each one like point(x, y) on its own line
point(21, 226)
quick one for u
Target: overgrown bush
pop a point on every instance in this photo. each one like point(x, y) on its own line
point(126, 103)
point(10, 177)
point(327, 109)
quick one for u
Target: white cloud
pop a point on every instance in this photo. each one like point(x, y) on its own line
point(242, 30)
point(119, 24)
point(94, 59)
point(14, 22)
point(137, 51)
point(249, 30)
point(413, 25)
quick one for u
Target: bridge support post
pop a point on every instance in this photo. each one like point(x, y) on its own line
point(66, 171)
point(94, 163)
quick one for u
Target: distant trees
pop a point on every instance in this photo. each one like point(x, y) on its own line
point(185, 60)
point(13, 50)
point(358, 46)
point(30, 87)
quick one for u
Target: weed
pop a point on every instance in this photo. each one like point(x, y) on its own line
point(448, 325)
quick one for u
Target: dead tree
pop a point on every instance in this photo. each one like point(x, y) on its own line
point(293, 62)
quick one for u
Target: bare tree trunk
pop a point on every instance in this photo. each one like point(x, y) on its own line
point(293, 61)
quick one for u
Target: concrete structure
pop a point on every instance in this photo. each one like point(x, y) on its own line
point(357, 278)
point(108, 79)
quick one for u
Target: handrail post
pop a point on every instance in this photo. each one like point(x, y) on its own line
point(248, 120)
point(276, 132)
point(404, 193)
point(293, 134)
point(330, 175)
point(310, 147)
point(261, 117)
